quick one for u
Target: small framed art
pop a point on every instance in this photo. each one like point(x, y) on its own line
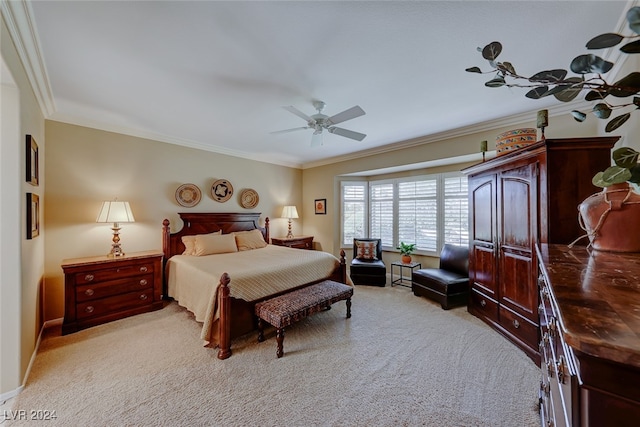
point(33, 215)
point(321, 206)
point(32, 161)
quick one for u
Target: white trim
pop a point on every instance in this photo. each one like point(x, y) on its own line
point(13, 393)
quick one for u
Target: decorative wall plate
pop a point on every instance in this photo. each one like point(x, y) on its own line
point(188, 195)
point(249, 198)
point(221, 190)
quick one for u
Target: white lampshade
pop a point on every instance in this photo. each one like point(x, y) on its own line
point(115, 211)
point(289, 212)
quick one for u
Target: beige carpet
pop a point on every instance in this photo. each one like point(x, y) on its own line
point(399, 361)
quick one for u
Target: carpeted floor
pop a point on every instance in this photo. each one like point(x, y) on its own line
point(399, 361)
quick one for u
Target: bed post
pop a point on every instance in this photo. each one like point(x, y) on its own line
point(224, 302)
point(166, 249)
point(343, 266)
point(266, 227)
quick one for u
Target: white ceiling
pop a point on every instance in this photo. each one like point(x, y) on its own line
point(214, 75)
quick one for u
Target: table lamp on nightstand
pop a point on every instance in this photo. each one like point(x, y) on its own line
point(289, 212)
point(115, 212)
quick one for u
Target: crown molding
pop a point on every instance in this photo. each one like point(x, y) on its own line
point(17, 16)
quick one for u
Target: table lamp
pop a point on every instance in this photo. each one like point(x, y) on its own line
point(289, 212)
point(115, 212)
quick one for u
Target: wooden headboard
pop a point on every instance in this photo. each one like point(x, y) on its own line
point(203, 223)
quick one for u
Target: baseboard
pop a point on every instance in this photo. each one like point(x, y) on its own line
point(13, 393)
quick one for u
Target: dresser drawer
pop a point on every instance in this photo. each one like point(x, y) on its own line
point(112, 304)
point(483, 306)
point(117, 272)
point(519, 327)
point(113, 287)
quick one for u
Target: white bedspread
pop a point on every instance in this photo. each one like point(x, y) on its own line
point(255, 274)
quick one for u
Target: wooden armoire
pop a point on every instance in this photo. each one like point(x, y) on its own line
point(516, 200)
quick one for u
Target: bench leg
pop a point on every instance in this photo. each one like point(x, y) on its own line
point(348, 308)
point(260, 330)
point(280, 340)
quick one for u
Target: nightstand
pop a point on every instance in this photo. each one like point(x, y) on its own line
point(101, 289)
point(298, 242)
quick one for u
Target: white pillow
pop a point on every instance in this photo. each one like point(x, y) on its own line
point(209, 244)
point(190, 242)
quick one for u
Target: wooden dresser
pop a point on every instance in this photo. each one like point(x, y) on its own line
point(298, 242)
point(515, 201)
point(590, 341)
point(101, 289)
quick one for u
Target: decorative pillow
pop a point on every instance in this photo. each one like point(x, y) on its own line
point(367, 251)
point(190, 241)
point(209, 244)
point(247, 240)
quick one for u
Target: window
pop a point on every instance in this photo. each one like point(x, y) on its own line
point(429, 210)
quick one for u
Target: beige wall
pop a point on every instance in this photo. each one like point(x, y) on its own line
point(20, 319)
point(86, 166)
point(324, 181)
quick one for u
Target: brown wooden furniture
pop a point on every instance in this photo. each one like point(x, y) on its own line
point(298, 242)
point(237, 317)
point(590, 325)
point(291, 307)
point(101, 289)
point(516, 200)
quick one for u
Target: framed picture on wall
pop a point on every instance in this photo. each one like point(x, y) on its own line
point(33, 215)
point(32, 161)
point(321, 206)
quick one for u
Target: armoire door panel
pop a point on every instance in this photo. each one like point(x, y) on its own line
point(515, 211)
point(517, 288)
point(483, 220)
point(483, 274)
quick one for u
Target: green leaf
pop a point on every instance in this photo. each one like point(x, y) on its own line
point(585, 64)
point(627, 86)
point(604, 41)
point(474, 70)
point(616, 122)
point(579, 115)
point(548, 76)
point(601, 111)
point(569, 92)
point(506, 67)
point(635, 174)
point(537, 93)
point(598, 181)
point(491, 51)
point(633, 18)
point(595, 95)
point(616, 175)
point(625, 157)
point(633, 47)
point(496, 82)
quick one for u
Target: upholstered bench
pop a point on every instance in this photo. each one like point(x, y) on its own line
point(283, 310)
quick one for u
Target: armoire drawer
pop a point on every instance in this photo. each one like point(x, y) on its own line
point(483, 306)
point(520, 327)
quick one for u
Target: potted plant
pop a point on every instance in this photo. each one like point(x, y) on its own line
point(611, 218)
point(406, 249)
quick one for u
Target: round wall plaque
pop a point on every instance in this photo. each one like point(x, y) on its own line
point(221, 190)
point(249, 198)
point(188, 195)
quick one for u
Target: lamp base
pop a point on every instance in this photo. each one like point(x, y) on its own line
point(289, 234)
point(116, 250)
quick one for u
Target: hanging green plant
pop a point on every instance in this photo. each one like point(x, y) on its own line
point(590, 69)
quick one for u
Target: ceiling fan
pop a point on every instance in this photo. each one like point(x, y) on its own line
point(319, 122)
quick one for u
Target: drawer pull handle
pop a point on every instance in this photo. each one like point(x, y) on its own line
point(516, 324)
point(89, 309)
point(143, 297)
point(143, 282)
point(144, 269)
point(89, 292)
point(562, 369)
point(483, 303)
point(88, 277)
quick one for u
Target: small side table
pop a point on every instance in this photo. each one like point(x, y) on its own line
point(298, 242)
point(401, 281)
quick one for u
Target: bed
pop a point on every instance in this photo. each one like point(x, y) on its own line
point(205, 284)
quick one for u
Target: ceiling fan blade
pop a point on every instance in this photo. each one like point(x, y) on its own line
point(347, 133)
point(316, 139)
point(289, 130)
point(349, 114)
point(294, 110)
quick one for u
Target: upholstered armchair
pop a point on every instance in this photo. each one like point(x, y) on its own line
point(367, 267)
point(449, 284)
